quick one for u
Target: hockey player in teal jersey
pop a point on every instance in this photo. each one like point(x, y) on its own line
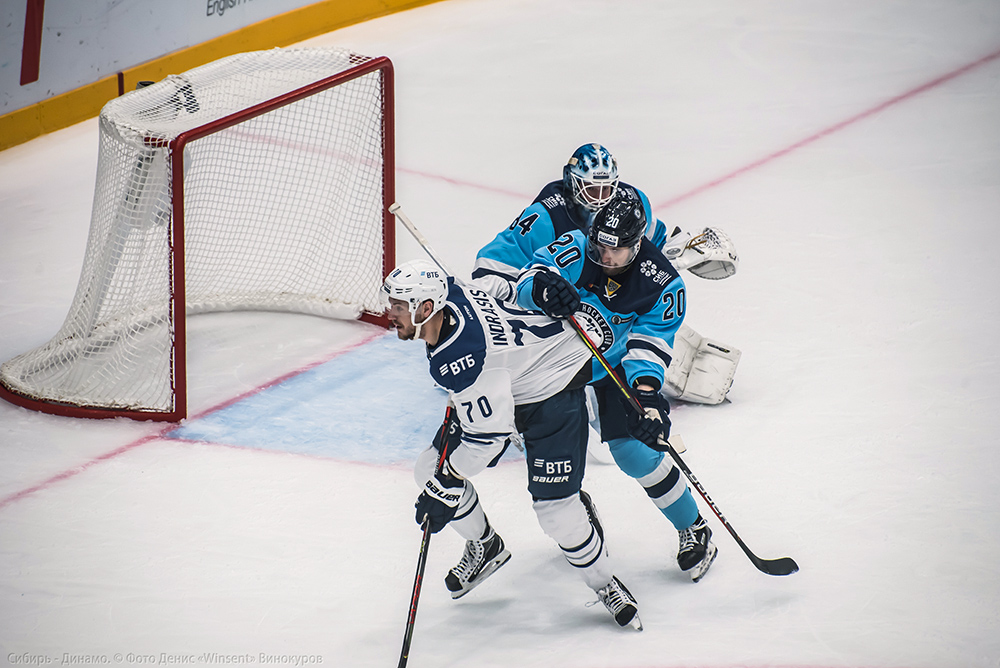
point(631, 300)
point(702, 369)
point(590, 180)
point(506, 370)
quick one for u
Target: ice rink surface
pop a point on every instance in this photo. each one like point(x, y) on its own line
point(851, 149)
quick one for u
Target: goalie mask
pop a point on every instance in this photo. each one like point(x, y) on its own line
point(414, 283)
point(616, 233)
point(591, 176)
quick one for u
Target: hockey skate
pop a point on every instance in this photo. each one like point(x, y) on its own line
point(697, 551)
point(620, 603)
point(480, 559)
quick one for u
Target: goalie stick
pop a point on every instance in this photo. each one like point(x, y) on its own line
point(782, 566)
point(425, 543)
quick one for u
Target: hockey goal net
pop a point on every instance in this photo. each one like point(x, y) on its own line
point(257, 182)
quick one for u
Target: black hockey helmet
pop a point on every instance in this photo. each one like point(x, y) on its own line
point(619, 225)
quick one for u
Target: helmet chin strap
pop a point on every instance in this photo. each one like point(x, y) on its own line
point(417, 325)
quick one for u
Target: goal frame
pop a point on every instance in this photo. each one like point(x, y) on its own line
point(177, 307)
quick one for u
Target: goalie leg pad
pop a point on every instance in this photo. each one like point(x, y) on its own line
point(702, 369)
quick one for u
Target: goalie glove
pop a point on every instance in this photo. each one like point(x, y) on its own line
point(439, 500)
point(554, 295)
point(710, 254)
point(652, 427)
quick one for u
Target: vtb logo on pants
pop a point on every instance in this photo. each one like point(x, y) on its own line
point(546, 471)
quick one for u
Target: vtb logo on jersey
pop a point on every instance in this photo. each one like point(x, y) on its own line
point(596, 327)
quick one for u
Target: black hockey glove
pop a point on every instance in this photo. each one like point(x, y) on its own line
point(554, 295)
point(652, 428)
point(439, 500)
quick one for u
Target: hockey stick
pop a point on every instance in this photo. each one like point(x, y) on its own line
point(782, 566)
point(425, 543)
point(396, 210)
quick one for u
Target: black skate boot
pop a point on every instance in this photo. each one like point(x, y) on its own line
point(480, 559)
point(697, 551)
point(620, 603)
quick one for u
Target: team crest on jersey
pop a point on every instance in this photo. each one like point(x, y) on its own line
point(596, 327)
point(610, 288)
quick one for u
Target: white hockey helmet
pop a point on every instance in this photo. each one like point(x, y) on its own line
point(591, 176)
point(416, 282)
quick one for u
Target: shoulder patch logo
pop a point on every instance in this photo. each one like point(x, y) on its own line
point(649, 268)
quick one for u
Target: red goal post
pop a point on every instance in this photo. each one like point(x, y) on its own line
point(261, 181)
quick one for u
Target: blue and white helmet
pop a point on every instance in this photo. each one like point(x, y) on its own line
point(416, 282)
point(591, 176)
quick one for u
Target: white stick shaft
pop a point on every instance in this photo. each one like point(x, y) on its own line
point(396, 210)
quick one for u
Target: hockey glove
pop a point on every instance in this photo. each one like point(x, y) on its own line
point(439, 500)
point(653, 427)
point(554, 295)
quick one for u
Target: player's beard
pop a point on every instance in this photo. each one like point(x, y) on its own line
point(405, 333)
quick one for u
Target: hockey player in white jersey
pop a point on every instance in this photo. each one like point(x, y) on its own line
point(702, 369)
point(506, 370)
point(632, 301)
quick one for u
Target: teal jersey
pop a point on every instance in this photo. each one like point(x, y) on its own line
point(499, 262)
point(631, 317)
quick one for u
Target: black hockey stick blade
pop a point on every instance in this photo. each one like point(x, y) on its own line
point(782, 566)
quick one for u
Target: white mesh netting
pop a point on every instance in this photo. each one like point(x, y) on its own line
point(282, 211)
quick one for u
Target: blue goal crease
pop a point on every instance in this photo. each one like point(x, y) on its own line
point(374, 404)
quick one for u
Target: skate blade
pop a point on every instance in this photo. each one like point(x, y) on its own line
point(698, 572)
point(487, 571)
point(636, 623)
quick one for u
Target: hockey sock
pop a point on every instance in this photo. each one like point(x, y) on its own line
point(636, 459)
point(566, 520)
point(470, 519)
point(659, 477)
point(683, 512)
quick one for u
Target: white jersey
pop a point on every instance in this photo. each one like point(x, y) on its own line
point(493, 356)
